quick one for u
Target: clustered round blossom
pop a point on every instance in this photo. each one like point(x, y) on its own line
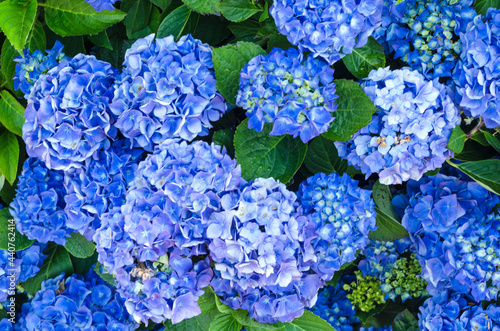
point(477, 77)
point(6, 325)
point(408, 135)
point(29, 67)
point(68, 117)
point(38, 207)
point(256, 246)
point(365, 293)
point(100, 5)
point(77, 304)
point(297, 95)
point(166, 90)
point(327, 28)
point(425, 33)
point(455, 237)
point(152, 243)
point(340, 216)
point(454, 311)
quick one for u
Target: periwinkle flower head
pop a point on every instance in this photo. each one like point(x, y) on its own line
point(327, 28)
point(455, 237)
point(166, 90)
point(76, 304)
point(477, 77)
point(30, 66)
point(408, 135)
point(6, 325)
point(68, 117)
point(340, 216)
point(296, 95)
point(153, 243)
point(256, 246)
point(31, 260)
point(38, 207)
point(425, 33)
point(100, 5)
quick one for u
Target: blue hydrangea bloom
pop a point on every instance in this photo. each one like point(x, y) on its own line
point(6, 325)
point(456, 240)
point(372, 328)
point(297, 95)
point(166, 90)
point(340, 216)
point(153, 242)
point(408, 135)
point(100, 5)
point(425, 33)
point(29, 67)
point(68, 117)
point(327, 28)
point(76, 304)
point(256, 245)
point(38, 207)
point(477, 77)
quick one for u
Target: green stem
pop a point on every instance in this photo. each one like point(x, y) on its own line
point(478, 126)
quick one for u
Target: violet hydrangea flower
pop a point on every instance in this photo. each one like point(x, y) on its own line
point(166, 90)
point(100, 5)
point(327, 28)
point(408, 135)
point(455, 237)
point(340, 216)
point(31, 66)
point(477, 77)
point(68, 117)
point(256, 246)
point(297, 95)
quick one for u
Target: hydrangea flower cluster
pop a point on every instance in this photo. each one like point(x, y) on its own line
point(166, 90)
point(327, 28)
point(340, 216)
point(454, 311)
point(75, 303)
point(31, 66)
point(100, 5)
point(365, 293)
point(456, 240)
point(148, 244)
point(425, 33)
point(6, 325)
point(297, 95)
point(68, 117)
point(477, 77)
point(408, 136)
point(256, 246)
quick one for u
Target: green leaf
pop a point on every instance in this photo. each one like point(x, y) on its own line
point(364, 316)
point(389, 228)
point(479, 137)
point(308, 322)
point(340, 272)
point(211, 30)
point(207, 300)
point(174, 23)
point(76, 17)
point(203, 6)
point(263, 155)
point(457, 139)
point(36, 38)
point(57, 262)
point(224, 322)
point(197, 323)
point(101, 39)
point(354, 111)
point(162, 4)
point(82, 266)
point(9, 233)
point(138, 12)
point(16, 21)
point(238, 10)
point(11, 113)
point(9, 53)
point(481, 6)
point(405, 321)
point(242, 317)
point(365, 59)
point(492, 140)
point(106, 276)
point(228, 61)
point(322, 156)
point(484, 172)
point(278, 40)
point(225, 138)
point(9, 155)
point(79, 247)
point(152, 27)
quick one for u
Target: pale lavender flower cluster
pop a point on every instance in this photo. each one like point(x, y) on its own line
point(409, 134)
point(327, 28)
point(256, 245)
point(340, 216)
point(166, 90)
point(68, 117)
